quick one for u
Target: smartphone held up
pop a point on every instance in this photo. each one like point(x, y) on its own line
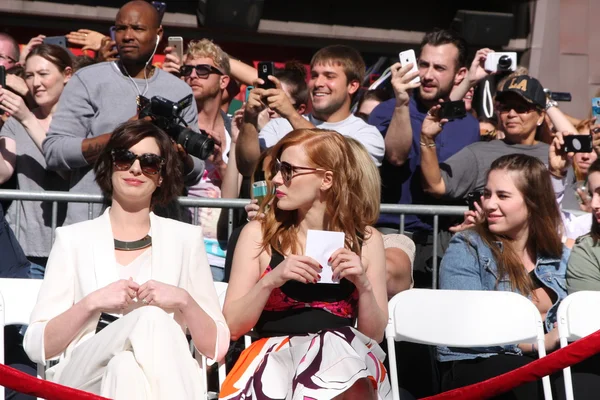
point(409, 57)
point(176, 43)
point(578, 144)
point(265, 69)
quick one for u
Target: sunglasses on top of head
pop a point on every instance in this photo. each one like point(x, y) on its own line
point(202, 70)
point(150, 164)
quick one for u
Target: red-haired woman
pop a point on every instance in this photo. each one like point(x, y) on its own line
point(308, 346)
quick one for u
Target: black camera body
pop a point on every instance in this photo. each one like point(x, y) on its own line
point(452, 110)
point(166, 114)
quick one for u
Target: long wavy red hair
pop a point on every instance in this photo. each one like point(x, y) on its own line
point(346, 199)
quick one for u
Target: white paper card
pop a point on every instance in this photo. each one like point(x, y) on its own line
point(320, 245)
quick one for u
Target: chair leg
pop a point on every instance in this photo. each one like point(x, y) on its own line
point(568, 380)
point(393, 372)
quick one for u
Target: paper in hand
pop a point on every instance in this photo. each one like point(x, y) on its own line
point(320, 245)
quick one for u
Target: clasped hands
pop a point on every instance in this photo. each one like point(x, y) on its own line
point(121, 294)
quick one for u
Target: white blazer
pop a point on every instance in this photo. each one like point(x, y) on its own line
point(82, 260)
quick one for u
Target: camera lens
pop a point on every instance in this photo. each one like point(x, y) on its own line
point(199, 145)
point(504, 63)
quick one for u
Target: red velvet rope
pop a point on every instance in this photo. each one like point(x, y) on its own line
point(556, 361)
point(23, 383)
point(572, 354)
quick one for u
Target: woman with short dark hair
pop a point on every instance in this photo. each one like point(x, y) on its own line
point(148, 274)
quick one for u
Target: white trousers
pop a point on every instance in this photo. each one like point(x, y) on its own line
point(143, 355)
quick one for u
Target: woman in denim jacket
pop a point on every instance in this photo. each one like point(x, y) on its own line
point(517, 248)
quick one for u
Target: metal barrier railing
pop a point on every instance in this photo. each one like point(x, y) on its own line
point(196, 203)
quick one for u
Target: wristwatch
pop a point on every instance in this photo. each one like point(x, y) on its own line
point(550, 104)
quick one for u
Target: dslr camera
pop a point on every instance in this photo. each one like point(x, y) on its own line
point(166, 114)
point(501, 62)
point(557, 96)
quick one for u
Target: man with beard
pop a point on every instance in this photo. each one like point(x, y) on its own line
point(206, 69)
point(441, 66)
point(102, 96)
point(336, 75)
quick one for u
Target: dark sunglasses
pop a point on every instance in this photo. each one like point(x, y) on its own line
point(123, 159)
point(520, 108)
point(287, 170)
point(202, 70)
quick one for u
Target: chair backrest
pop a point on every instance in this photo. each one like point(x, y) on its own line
point(578, 315)
point(20, 296)
point(463, 318)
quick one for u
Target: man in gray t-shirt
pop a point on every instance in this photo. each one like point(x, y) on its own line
point(100, 97)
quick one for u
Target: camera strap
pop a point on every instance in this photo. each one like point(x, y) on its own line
point(488, 102)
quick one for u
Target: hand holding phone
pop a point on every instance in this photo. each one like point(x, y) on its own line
point(113, 37)
point(409, 57)
point(248, 90)
point(577, 144)
point(259, 191)
point(474, 197)
point(56, 40)
point(176, 43)
point(265, 69)
point(451, 110)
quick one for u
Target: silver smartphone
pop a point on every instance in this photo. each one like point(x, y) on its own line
point(176, 43)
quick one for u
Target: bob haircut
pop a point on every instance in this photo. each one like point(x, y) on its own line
point(128, 135)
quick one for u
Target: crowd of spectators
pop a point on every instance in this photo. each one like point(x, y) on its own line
point(80, 124)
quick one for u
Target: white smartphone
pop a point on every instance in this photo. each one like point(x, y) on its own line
point(176, 42)
point(408, 57)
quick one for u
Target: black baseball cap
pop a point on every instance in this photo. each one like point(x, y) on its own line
point(525, 86)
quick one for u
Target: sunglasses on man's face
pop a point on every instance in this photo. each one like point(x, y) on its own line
point(202, 70)
point(150, 164)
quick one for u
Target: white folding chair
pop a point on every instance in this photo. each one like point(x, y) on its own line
point(577, 317)
point(462, 318)
point(17, 299)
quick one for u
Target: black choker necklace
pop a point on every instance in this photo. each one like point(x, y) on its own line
point(144, 242)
